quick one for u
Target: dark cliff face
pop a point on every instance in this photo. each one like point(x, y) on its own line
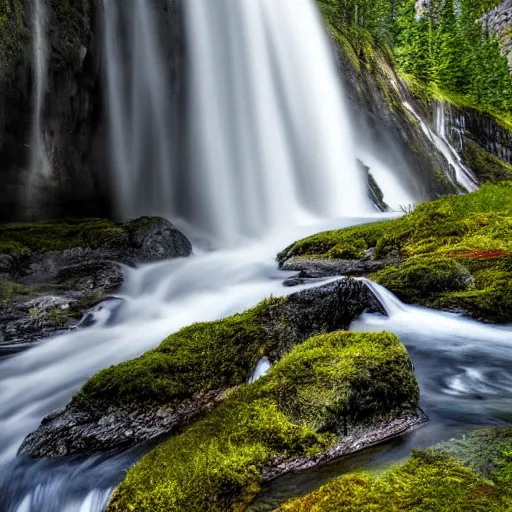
point(74, 121)
point(73, 127)
point(377, 97)
point(499, 20)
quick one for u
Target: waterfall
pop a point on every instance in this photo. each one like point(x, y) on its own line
point(138, 91)
point(266, 141)
point(463, 175)
point(39, 164)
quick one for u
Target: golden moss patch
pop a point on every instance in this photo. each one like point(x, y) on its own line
point(429, 481)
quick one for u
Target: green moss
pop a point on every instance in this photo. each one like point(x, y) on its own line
point(201, 357)
point(350, 243)
point(485, 450)
point(9, 290)
point(40, 237)
point(429, 481)
point(13, 36)
point(474, 230)
point(299, 409)
point(423, 278)
point(485, 165)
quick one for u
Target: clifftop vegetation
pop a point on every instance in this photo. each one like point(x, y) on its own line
point(440, 46)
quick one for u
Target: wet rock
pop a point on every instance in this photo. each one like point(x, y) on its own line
point(318, 268)
point(96, 423)
point(95, 430)
point(359, 438)
point(45, 291)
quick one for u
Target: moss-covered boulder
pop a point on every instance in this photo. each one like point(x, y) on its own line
point(454, 253)
point(333, 394)
point(469, 474)
point(51, 272)
point(421, 280)
point(168, 387)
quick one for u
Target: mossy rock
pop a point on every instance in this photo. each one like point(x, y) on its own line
point(472, 473)
point(473, 231)
point(328, 385)
point(486, 166)
point(40, 237)
point(168, 387)
point(429, 481)
point(22, 239)
point(421, 279)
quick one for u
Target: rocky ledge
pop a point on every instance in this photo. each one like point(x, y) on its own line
point(167, 388)
point(453, 254)
point(52, 273)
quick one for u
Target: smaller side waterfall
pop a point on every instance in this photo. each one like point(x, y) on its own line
point(463, 175)
point(39, 163)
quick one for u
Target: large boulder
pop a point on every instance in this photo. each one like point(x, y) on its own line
point(168, 387)
point(332, 395)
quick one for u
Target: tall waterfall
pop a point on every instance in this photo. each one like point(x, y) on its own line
point(265, 140)
point(39, 164)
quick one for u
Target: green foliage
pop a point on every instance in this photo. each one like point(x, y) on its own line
point(447, 48)
point(444, 47)
point(297, 410)
point(474, 230)
point(428, 481)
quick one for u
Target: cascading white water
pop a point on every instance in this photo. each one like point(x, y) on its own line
point(39, 164)
point(463, 175)
point(267, 138)
point(463, 366)
point(141, 135)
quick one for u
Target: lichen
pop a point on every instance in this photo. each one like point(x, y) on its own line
point(298, 410)
point(474, 231)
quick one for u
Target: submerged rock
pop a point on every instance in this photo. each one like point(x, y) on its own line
point(191, 369)
point(334, 394)
point(52, 273)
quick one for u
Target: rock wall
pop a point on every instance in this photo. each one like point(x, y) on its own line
point(499, 20)
point(377, 97)
point(73, 127)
